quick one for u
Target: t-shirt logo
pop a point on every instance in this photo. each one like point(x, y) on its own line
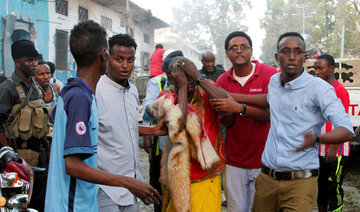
point(255, 90)
point(80, 128)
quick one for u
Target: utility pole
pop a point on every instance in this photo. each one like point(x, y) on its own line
point(305, 11)
point(342, 42)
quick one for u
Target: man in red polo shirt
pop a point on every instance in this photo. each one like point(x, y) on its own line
point(332, 157)
point(156, 60)
point(246, 132)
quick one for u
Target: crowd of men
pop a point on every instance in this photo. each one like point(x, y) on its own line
point(281, 128)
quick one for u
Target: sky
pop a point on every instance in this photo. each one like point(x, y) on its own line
point(163, 9)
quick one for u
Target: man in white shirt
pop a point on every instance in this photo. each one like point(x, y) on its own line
point(118, 106)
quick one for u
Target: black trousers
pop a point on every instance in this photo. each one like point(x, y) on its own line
point(39, 191)
point(40, 180)
point(331, 194)
point(155, 169)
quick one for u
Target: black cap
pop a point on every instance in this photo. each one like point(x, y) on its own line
point(166, 61)
point(22, 48)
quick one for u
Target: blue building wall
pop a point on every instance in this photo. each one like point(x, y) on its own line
point(36, 13)
point(64, 75)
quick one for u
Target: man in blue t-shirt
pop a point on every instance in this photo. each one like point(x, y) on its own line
point(72, 173)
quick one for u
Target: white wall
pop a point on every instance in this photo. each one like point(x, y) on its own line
point(95, 11)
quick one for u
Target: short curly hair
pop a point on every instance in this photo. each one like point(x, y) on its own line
point(235, 34)
point(289, 34)
point(86, 39)
point(122, 40)
point(330, 59)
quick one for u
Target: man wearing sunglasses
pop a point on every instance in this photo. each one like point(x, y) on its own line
point(247, 129)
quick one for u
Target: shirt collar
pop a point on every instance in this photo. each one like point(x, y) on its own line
point(335, 83)
point(299, 82)
point(114, 84)
point(17, 80)
point(84, 83)
point(256, 72)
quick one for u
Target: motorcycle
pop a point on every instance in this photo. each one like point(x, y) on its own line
point(16, 182)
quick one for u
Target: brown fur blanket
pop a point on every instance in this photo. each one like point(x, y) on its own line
point(180, 148)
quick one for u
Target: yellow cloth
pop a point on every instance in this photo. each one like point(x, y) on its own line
point(205, 196)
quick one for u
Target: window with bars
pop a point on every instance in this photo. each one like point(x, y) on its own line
point(83, 14)
point(106, 23)
point(61, 45)
point(61, 7)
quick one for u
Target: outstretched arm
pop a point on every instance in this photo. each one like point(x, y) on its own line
point(158, 130)
point(259, 100)
point(232, 106)
point(75, 167)
point(224, 104)
point(337, 136)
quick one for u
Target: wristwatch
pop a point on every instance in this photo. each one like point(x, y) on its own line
point(201, 77)
point(243, 112)
point(317, 141)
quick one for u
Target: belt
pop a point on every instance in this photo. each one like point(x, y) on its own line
point(290, 175)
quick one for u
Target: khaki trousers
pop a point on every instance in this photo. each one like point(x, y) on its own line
point(284, 195)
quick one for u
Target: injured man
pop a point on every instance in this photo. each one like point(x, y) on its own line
point(193, 156)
